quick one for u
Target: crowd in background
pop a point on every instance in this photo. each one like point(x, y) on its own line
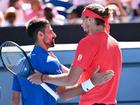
point(60, 12)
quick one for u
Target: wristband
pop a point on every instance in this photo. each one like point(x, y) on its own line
point(87, 85)
point(42, 78)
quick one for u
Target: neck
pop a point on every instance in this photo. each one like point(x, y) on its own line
point(42, 45)
point(98, 30)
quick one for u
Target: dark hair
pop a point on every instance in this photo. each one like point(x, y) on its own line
point(100, 10)
point(36, 25)
point(10, 15)
point(78, 10)
point(48, 13)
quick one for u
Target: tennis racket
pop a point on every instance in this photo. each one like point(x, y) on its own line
point(18, 63)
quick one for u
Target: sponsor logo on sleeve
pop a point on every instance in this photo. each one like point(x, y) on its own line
point(79, 58)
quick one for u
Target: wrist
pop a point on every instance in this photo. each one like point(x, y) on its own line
point(42, 78)
point(87, 85)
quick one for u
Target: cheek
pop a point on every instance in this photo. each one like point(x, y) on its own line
point(87, 25)
point(48, 36)
point(84, 24)
point(46, 39)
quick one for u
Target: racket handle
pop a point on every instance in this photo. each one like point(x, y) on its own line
point(49, 90)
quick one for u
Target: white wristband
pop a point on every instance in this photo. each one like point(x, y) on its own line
point(87, 85)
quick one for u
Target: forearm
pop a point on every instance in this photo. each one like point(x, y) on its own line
point(71, 92)
point(15, 98)
point(66, 79)
point(14, 103)
point(59, 80)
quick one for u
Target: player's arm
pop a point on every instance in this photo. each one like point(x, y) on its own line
point(15, 98)
point(70, 92)
point(96, 79)
point(16, 95)
point(78, 66)
point(65, 79)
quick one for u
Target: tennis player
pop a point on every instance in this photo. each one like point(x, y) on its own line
point(97, 48)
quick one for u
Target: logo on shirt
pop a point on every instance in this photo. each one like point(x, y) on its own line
point(79, 57)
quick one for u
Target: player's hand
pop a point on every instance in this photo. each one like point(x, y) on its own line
point(35, 78)
point(99, 78)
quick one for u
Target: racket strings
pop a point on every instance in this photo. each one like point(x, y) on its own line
point(15, 62)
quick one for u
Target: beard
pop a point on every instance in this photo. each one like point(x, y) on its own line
point(49, 43)
point(52, 43)
point(86, 31)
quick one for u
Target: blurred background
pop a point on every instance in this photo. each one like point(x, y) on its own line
point(65, 18)
point(61, 12)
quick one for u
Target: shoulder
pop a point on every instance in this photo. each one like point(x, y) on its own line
point(53, 65)
point(86, 39)
point(52, 60)
point(88, 42)
point(113, 40)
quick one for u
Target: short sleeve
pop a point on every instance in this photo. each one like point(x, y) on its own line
point(16, 85)
point(85, 53)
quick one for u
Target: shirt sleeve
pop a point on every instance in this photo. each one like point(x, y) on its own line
point(16, 85)
point(85, 53)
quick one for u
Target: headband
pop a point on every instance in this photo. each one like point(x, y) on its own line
point(89, 13)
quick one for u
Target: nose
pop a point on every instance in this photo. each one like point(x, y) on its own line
point(54, 35)
point(82, 24)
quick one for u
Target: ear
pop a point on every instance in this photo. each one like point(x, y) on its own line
point(40, 35)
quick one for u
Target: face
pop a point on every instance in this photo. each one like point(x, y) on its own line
point(49, 36)
point(88, 24)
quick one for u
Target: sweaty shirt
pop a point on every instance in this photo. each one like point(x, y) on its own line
point(34, 94)
point(103, 50)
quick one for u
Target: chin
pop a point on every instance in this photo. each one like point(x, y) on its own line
point(86, 32)
point(52, 45)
